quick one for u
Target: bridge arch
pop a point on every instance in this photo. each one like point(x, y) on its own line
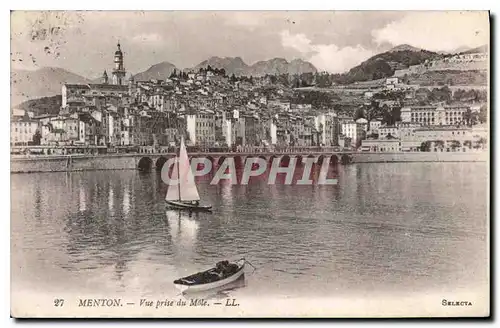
point(210, 158)
point(285, 160)
point(321, 158)
point(334, 160)
point(145, 164)
point(221, 160)
point(299, 160)
point(160, 162)
point(345, 159)
point(238, 162)
point(252, 158)
point(271, 159)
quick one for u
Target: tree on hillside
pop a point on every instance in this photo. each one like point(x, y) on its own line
point(272, 78)
point(307, 79)
point(359, 113)
point(422, 96)
point(425, 146)
point(468, 117)
point(322, 80)
point(373, 110)
point(440, 94)
point(318, 99)
point(283, 79)
point(173, 74)
point(439, 144)
point(295, 82)
point(455, 144)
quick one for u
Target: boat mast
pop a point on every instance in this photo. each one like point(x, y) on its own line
point(178, 172)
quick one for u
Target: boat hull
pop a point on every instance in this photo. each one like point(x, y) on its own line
point(186, 206)
point(216, 284)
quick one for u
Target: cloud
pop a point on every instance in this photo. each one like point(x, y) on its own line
point(244, 19)
point(296, 41)
point(328, 57)
point(147, 37)
point(437, 31)
point(338, 60)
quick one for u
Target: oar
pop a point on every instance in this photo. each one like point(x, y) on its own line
point(254, 268)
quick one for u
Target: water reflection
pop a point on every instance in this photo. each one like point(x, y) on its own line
point(183, 230)
point(126, 200)
point(111, 200)
point(83, 201)
point(384, 226)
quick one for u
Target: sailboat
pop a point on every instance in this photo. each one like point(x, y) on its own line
point(184, 195)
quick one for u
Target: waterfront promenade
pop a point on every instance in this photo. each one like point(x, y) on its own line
point(152, 161)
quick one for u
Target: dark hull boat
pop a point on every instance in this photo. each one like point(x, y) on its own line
point(224, 273)
point(188, 206)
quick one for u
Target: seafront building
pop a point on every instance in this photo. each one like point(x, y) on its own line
point(434, 115)
point(211, 109)
point(23, 130)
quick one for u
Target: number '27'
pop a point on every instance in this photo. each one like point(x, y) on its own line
point(58, 302)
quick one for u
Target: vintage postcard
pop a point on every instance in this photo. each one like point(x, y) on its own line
point(221, 164)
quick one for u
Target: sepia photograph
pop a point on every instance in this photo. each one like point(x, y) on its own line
point(249, 164)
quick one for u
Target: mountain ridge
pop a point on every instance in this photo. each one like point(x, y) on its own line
point(384, 64)
point(158, 71)
point(43, 82)
point(405, 47)
point(273, 66)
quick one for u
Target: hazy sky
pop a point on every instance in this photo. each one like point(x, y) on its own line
point(84, 42)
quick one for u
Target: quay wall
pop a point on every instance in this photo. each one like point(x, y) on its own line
point(63, 163)
point(131, 162)
point(419, 157)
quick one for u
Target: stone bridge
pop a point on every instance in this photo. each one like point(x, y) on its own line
point(148, 162)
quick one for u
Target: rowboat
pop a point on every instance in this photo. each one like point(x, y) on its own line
point(224, 273)
point(188, 206)
point(183, 194)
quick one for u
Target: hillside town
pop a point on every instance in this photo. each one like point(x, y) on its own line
point(215, 110)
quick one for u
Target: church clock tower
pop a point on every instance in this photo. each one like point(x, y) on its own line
point(119, 69)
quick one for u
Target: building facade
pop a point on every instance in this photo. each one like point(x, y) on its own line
point(23, 130)
point(434, 115)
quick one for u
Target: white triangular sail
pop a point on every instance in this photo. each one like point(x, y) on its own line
point(188, 189)
point(173, 189)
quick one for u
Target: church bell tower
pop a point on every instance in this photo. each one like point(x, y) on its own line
point(105, 78)
point(119, 69)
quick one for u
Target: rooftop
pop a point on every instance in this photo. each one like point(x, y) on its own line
point(108, 86)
